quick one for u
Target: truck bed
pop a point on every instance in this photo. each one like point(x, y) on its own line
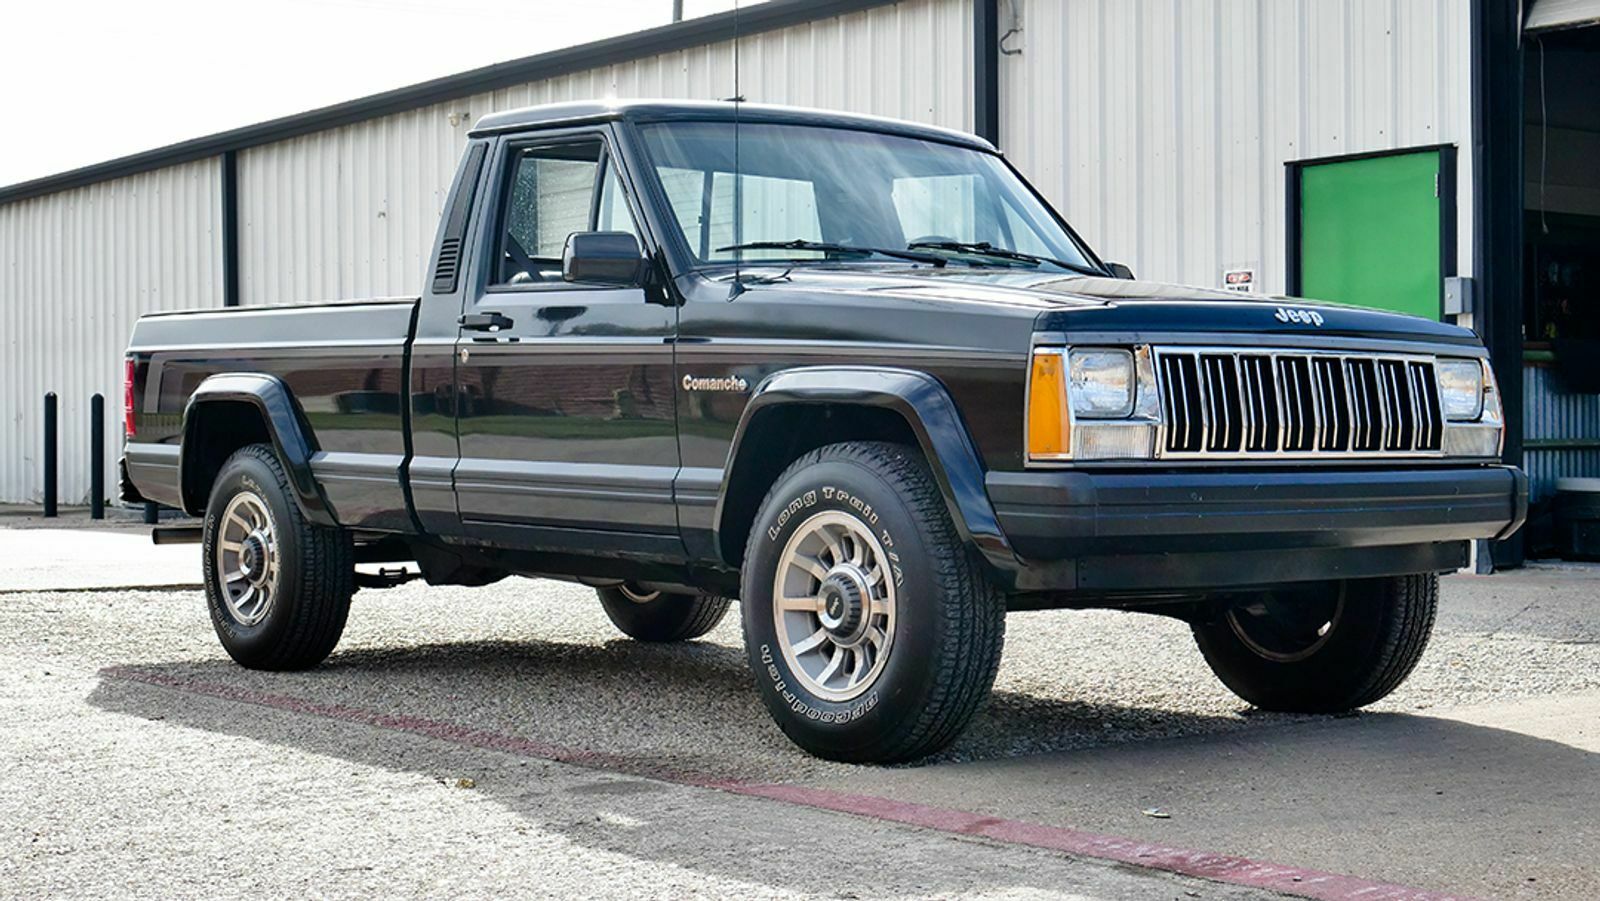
point(344, 363)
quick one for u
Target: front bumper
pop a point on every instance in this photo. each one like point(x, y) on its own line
point(1140, 531)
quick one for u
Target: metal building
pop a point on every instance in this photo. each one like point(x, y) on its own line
point(1187, 139)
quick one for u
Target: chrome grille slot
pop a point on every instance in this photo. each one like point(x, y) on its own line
point(1430, 418)
point(1333, 404)
point(1180, 379)
point(1226, 416)
point(1260, 393)
point(1299, 403)
point(1367, 402)
point(1227, 402)
point(1399, 407)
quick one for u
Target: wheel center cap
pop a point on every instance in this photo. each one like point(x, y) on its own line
point(844, 603)
point(253, 558)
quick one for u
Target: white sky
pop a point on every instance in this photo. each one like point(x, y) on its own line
point(87, 80)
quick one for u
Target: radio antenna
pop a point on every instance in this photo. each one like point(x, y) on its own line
point(738, 183)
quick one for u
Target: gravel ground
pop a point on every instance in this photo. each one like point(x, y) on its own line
point(540, 660)
point(196, 797)
point(181, 794)
point(117, 788)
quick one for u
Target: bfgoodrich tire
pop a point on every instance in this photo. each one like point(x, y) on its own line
point(872, 629)
point(278, 587)
point(662, 616)
point(1321, 648)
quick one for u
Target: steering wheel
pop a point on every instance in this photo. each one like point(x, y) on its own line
point(933, 239)
point(520, 257)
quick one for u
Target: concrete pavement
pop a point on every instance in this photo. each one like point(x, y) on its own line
point(1477, 777)
point(41, 559)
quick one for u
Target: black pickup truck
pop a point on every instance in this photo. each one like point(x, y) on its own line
point(854, 372)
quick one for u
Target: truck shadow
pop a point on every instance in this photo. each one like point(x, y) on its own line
point(495, 711)
point(689, 707)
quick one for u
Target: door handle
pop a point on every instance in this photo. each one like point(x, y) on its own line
point(484, 322)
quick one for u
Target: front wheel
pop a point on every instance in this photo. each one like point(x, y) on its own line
point(873, 631)
point(1322, 647)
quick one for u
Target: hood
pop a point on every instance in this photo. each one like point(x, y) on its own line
point(1091, 303)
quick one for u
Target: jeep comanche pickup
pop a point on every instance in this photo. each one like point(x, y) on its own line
point(854, 372)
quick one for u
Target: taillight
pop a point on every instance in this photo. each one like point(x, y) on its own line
point(127, 400)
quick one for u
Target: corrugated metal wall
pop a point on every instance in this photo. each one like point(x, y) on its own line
point(76, 268)
point(351, 212)
point(1561, 430)
point(1160, 127)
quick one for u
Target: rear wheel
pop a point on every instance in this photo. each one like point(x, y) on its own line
point(662, 616)
point(278, 587)
point(1322, 647)
point(873, 630)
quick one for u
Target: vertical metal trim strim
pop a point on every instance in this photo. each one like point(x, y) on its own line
point(1291, 228)
point(1497, 213)
point(986, 70)
point(230, 228)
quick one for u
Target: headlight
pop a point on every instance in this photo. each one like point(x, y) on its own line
point(1091, 403)
point(1475, 428)
point(1101, 383)
point(1460, 389)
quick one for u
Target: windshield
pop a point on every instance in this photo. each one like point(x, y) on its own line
point(843, 189)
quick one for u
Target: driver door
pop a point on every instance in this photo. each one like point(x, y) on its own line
point(565, 416)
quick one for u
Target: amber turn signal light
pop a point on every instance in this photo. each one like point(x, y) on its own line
point(1049, 432)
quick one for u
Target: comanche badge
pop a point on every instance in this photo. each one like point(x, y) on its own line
point(715, 383)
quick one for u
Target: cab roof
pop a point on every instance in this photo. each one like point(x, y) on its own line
point(578, 112)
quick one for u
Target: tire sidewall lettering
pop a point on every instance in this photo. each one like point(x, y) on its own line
point(833, 497)
point(870, 506)
point(799, 705)
point(231, 482)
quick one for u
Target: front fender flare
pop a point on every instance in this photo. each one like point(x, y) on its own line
point(927, 408)
point(291, 437)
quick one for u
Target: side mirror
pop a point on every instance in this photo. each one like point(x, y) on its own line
point(1120, 270)
point(604, 258)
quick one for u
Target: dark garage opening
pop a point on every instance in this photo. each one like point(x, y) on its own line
point(1561, 290)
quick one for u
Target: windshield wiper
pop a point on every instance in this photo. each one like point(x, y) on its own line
point(825, 247)
point(985, 249)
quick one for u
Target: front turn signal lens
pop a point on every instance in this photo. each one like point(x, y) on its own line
point(1049, 430)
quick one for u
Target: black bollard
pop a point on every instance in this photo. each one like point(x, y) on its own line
point(152, 513)
point(50, 454)
point(97, 457)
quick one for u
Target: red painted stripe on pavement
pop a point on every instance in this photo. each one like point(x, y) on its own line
point(1226, 868)
point(1203, 864)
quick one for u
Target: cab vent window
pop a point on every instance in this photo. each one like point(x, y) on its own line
point(448, 267)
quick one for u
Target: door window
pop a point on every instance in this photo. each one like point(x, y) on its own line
point(552, 194)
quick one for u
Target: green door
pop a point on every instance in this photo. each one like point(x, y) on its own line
point(1370, 230)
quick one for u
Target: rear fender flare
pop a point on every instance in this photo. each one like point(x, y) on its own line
point(286, 427)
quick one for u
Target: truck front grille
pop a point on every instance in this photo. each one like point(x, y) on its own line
point(1246, 402)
